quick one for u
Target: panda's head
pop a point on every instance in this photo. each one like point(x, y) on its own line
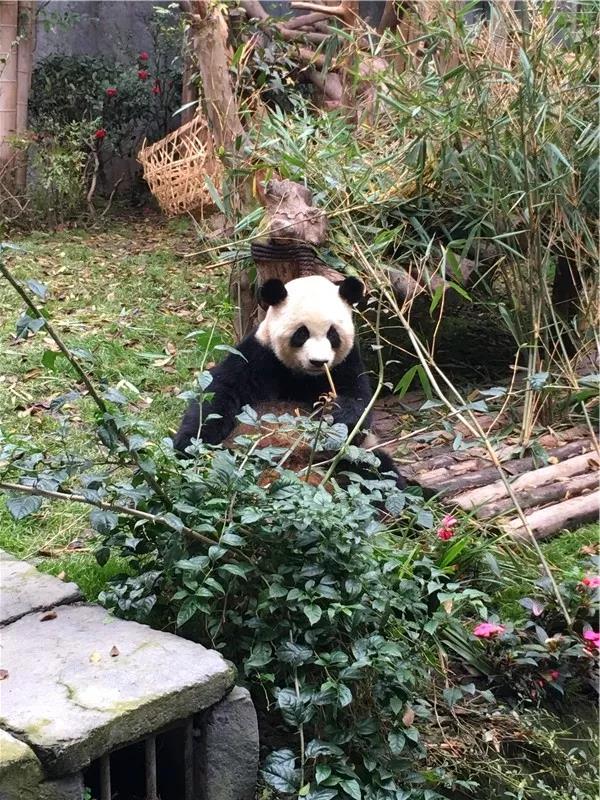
point(309, 321)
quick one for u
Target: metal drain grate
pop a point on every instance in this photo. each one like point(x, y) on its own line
point(157, 767)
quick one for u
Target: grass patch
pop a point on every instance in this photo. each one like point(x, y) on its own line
point(128, 296)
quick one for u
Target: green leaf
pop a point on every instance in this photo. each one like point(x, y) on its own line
point(251, 515)
point(280, 773)
point(213, 192)
point(173, 521)
point(313, 613)
point(229, 349)
point(452, 695)
point(294, 654)
point(103, 521)
point(115, 396)
point(39, 289)
point(396, 741)
point(102, 555)
point(240, 570)
point(23, 505)
point(49, 357)
point(322, 772)
point(396, 705)
point(188, 609)
point(260, 656)
point(232, 539)
point(344, 695)
point(352, 788)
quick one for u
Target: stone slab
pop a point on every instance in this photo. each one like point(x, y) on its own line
point(25, 590)
point(20, 770)
point(72, 701)
point(229, 749)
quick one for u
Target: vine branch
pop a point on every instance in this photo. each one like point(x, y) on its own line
point(132, 512)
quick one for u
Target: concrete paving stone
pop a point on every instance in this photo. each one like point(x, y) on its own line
point(72, 701)
point(25, 590)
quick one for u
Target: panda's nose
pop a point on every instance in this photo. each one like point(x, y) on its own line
point(318, 362)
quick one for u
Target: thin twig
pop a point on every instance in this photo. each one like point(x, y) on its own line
point(118, 509)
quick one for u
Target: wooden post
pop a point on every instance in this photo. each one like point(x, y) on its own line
point(25, 48)
point(9, 19)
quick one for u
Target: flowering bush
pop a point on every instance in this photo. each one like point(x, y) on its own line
point(128, 106)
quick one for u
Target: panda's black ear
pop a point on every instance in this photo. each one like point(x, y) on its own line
point(351, 290)
point(271, 293)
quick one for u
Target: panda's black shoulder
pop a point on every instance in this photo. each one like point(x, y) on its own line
point(252, 352)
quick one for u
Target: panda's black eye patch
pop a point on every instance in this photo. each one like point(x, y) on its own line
point(300, 336)
point(334, 337)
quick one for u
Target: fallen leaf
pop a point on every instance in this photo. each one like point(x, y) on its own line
point(114, 651)
point(3, 674)
point(408, 717)
point(61, 575)
point(95, 657)
point(552, 460)
point(48, 616)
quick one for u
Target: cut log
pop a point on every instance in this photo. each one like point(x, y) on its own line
point(514, 467)
point(448, 460)
point(450, 470)
point(566, 515)
point(530, 480)
point(542, 495)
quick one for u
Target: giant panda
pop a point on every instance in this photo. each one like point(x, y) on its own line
point(308, 325)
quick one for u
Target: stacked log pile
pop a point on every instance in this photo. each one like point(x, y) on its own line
point(556, 490)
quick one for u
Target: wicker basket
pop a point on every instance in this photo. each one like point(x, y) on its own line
point(175, 168)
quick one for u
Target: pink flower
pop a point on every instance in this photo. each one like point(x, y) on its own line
point(487, 629)
point(445, 533)
point(554, 674)
point(591, 581)
point(449, 521)
point(143, 56)
point(112, 91)
point(100, 133)
point(143, 74)
point(592, 638)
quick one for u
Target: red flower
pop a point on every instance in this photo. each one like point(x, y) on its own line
point(445, 533)
point(112, 91)
point(156, 88)
point(485, 630)
point(554, 674)
point(143, 74)
point(591, 581)
point(100, 133)
point(143, 56)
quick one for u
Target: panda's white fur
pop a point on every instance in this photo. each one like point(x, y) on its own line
point(315, 303)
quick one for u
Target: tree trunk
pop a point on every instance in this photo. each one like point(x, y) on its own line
point(9, 18)
point(189, 90)
point(25, 48)
point(209, 44)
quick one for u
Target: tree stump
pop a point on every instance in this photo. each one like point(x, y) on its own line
point(293, 228)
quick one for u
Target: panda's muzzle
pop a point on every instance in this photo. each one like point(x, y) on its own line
point(319, 363)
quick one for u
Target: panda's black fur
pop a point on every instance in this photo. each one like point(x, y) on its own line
point(257, 376)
